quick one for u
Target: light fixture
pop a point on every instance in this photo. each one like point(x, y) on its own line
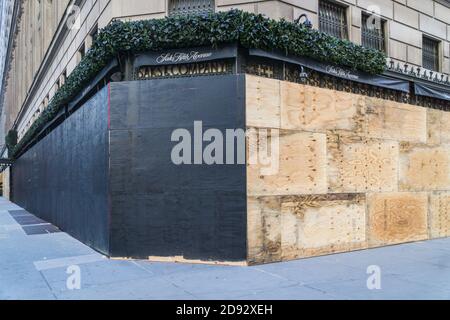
point(303, 75)
point(307, 23)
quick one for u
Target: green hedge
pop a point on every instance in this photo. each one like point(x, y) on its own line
point(250, 30)
point(11, 139)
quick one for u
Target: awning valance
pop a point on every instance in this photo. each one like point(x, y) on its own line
point(183, 56)
point(431, 91)
point(337, 71)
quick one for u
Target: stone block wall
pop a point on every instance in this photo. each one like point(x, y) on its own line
point(355, 172)
point(404, 22)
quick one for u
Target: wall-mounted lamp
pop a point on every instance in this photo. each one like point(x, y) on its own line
point(303, 75)
point(306, 22)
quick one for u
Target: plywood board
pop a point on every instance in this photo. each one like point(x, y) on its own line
point(161, 209)
point(397, 218)
point(63, 178)
point(316, 109)
point(439, 214)
point(438, 127)
point(301, 166)
point(305, 226)
point(263, 229)
point(445, 127)
point(433, 127)
point(322, 224)
point(424, 168)
point(262, 102)
point(397, 121)
point(357, 164)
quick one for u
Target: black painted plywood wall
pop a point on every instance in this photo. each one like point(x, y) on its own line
point(63, 178)
point(106, 175)
point(166, 210)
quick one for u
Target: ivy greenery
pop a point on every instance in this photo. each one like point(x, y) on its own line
point(247, 29)
point(11, 139)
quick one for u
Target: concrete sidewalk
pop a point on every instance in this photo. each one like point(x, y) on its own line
point(34, 260)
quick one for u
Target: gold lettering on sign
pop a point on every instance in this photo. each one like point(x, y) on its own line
point(192, 69)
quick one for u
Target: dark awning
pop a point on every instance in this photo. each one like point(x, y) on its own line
point(431, 91)
point(337, 71)
point(5, 164)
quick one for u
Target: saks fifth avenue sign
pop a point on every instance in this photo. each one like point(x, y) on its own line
point(185, 62)
point(341, 73)
point(182, 70)
point(183, 57)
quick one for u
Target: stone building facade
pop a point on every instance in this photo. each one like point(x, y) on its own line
point(360, 167)
point(6, 10)
point(52, 36)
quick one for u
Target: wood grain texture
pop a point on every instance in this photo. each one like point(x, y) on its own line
point(397, 218)
point(394, 154)
point(357, 164)
point(302, 167)
point(438, 127)
point(290, 227)
point(424, 168)
point(439, 214)
point(395, 121)
point(263, 102)
point(316, 109)
point(264, 230)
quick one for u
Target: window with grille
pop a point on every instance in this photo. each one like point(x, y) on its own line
point(372, 34)
point(430, 54)
point(333, 19)
point(184, 7)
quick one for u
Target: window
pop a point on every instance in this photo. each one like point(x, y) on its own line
point(46, 101)
point(91, 37)
point(333, 19)
point(430, 54)
point(190, 6)
point(62, 78)
point(81, 53)
point(372, 34)
point(36, 114)
point(94, 32)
